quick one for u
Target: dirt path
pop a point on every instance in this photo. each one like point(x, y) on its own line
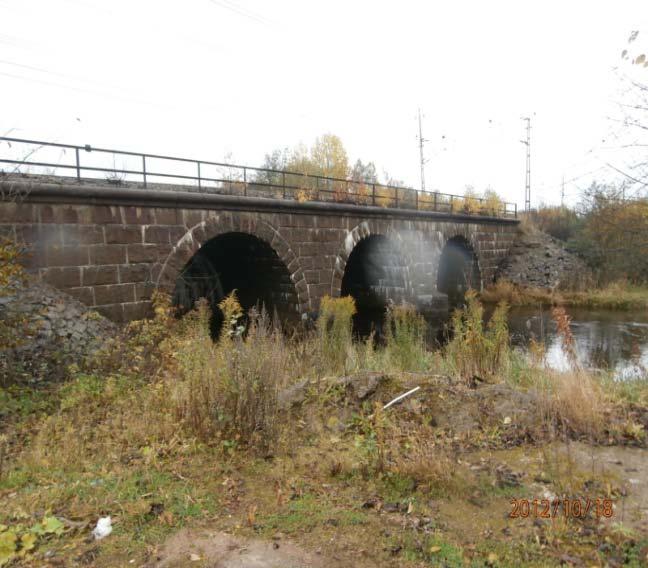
point(220, 550)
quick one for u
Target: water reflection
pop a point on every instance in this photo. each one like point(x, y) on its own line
point(603, 339)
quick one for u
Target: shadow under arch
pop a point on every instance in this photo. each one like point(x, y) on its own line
point(242, 262)
point(375, 274)
point(458, 270)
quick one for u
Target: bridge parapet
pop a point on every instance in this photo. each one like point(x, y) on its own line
point(144, 171)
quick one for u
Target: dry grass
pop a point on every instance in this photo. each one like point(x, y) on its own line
point(618, 295)
point(515, 295)
point(101, 420)
point(574, 398)
point(414, 454)
point(227, 391)
point(575, 402)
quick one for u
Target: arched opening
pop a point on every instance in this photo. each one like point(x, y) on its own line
point(241, 262)
point(458, 271)
point(374, 274)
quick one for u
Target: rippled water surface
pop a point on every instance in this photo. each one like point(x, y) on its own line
point(604, 339)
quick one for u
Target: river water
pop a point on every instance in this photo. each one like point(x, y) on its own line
point(604, 339)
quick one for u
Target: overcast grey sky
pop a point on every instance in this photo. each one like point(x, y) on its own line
point(216, 79)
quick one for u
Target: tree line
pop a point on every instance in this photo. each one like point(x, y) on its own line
point(328, 158)
point(608, 230)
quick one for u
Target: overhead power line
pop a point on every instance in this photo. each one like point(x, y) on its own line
point(241, 11)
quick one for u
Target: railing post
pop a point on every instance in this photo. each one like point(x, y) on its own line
point(244, 181)
point(396, 191)
point(144, 169)
point(515, 209)
point(436, 200)
point(283, 183)
point(373, 194)
point(416, 197)
point(451, 203)
point(199, 177)
point(78, 165)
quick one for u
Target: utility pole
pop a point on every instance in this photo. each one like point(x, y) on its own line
point(421, 154)
point(527, 185)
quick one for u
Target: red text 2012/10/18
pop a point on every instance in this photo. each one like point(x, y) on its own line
point(551, 508)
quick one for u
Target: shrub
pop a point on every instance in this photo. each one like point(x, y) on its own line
point(559, 222)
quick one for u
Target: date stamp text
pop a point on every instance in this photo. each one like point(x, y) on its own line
point(568, 508)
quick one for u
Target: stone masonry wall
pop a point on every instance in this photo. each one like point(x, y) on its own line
point(112, 248)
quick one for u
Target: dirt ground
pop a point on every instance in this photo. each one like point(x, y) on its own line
point(467, 522)
point(220, 550)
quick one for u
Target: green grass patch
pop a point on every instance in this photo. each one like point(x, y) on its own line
point(307, 513)
point(429, 548)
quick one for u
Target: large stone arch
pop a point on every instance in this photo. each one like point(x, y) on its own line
point(216, 226)
point(459, 268)
point(374, 266)
point(353, 238)
point(474, 246)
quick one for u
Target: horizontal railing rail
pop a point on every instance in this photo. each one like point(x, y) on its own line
point(242, 180)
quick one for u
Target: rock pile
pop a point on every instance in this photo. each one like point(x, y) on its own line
point(55, 330)
point(539, 260)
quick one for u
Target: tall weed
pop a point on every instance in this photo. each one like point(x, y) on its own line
point(406, 337)
point(335, 332)
point(476, 351)
point(228, 391)
point(575, 397)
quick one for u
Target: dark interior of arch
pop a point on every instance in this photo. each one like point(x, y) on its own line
point(241, 262)
point(374, 274)
point(458, 270)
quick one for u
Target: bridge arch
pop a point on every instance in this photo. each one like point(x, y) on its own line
point(218, 255)
point(372, 268)
point(459, 269)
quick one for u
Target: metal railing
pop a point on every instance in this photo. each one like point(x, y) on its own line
point(233, 179)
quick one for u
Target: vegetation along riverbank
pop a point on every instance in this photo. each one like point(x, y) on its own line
point(619, 295)
point(262, 446)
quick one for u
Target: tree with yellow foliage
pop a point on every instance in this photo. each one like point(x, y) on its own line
point(614, 237)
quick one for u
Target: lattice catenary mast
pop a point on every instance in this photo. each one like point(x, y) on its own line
point(421, 154)
point(527, 184)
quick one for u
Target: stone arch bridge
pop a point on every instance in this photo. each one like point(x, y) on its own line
point(112, 247)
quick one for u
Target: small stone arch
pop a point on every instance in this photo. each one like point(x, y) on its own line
point(201, 233)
